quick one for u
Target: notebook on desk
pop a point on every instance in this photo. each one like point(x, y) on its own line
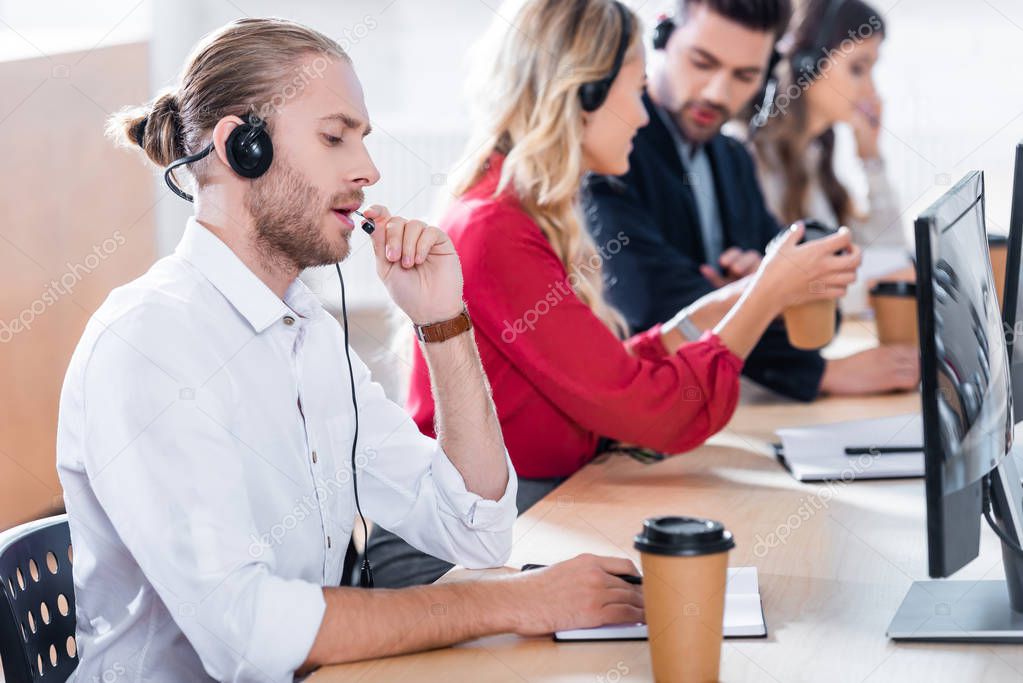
point(818, 452)
point(744, 614)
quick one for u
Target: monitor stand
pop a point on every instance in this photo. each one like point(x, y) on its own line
point(974, 611)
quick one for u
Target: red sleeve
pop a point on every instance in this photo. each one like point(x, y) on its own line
point(647, 344)
point(519, 296)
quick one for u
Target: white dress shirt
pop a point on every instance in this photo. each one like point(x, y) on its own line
point(204, 446)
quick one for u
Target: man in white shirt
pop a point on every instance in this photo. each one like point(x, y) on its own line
point(206, 421)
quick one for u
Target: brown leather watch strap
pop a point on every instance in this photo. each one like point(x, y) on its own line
point(446, 329)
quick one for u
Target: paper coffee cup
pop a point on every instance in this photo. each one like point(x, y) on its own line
point(894, 305)
point(811, 325)
point(685, 572)
point(998, 246)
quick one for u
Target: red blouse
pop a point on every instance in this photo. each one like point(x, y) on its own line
point(560, 378)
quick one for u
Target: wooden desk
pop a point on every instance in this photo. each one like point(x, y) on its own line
point(829, 590)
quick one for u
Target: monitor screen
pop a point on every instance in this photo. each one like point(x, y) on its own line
point(966, 396)
point(1013, 306)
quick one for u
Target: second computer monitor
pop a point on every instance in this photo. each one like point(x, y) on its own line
point(967, 413)
point(1012, 307)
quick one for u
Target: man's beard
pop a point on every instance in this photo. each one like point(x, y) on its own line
point(287, 214)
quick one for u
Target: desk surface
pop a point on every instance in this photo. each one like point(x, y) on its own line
point(829, 589)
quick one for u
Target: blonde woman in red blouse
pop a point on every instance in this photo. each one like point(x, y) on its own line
point(562, 370)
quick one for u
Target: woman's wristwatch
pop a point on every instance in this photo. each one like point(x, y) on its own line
point(445, 329)
point(684, 325)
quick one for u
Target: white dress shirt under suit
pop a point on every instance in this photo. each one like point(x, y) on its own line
point(204, 446)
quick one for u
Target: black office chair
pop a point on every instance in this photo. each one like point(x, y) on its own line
point(37, 613)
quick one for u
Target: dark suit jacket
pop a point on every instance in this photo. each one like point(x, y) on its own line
point(657, 273)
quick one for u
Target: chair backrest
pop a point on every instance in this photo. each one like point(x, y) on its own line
point(37, 613)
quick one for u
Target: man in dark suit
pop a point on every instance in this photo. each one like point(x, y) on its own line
point(691, 204)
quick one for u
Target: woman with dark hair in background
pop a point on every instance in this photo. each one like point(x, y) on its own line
point(825, 79)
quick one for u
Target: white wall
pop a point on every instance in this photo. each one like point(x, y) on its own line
point(409, 57)
point(952, 98)
point(950, 103)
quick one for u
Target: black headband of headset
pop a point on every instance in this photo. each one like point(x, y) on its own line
point(623, 43)
point(826, 30)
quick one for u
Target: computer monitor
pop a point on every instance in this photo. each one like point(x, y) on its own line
point(966, 402)
point(1012, 314)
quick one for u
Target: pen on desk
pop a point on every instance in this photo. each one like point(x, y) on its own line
point(627, 578)
point(882, 450)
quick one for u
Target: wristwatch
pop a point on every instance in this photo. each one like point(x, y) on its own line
point(685, 326)
point(446, 329)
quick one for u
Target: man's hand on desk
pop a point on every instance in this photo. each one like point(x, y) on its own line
point(877, 370)
point(579, 593)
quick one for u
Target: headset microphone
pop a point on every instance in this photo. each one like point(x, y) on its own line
point(763, 112)
point(369, 226)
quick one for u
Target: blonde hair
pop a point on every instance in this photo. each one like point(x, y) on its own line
point(527, 107)
point(245, 67)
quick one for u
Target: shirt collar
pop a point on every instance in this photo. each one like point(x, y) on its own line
point(687, 149)
point(249, 295)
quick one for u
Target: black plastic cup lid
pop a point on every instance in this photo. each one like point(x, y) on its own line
point(815, 230)
point(996, 239)
point(683, 537)
point(894, 288)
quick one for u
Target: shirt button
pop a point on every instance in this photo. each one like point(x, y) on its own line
point(289, 321)
point(328, 541)
point(314, 456)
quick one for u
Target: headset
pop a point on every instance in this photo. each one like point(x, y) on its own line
point(593, 94)
point(768, 91)
point(806, 61)
point(249, 153)
point(666, 26)
point(805, 65)
point(662, 31)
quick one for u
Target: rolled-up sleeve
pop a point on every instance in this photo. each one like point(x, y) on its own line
point(474, 511)
point(413, 490)
point(171, 478)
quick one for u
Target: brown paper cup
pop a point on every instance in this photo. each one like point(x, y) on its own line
point(684, 580)
point(998, 247)
point(894, 305)
point(810, 325)
point(685, 603)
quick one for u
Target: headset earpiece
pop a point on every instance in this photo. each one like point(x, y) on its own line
point(249, 149)
point(249, 153)
point(593, 94)
point(662, 31)
point(806, 63)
